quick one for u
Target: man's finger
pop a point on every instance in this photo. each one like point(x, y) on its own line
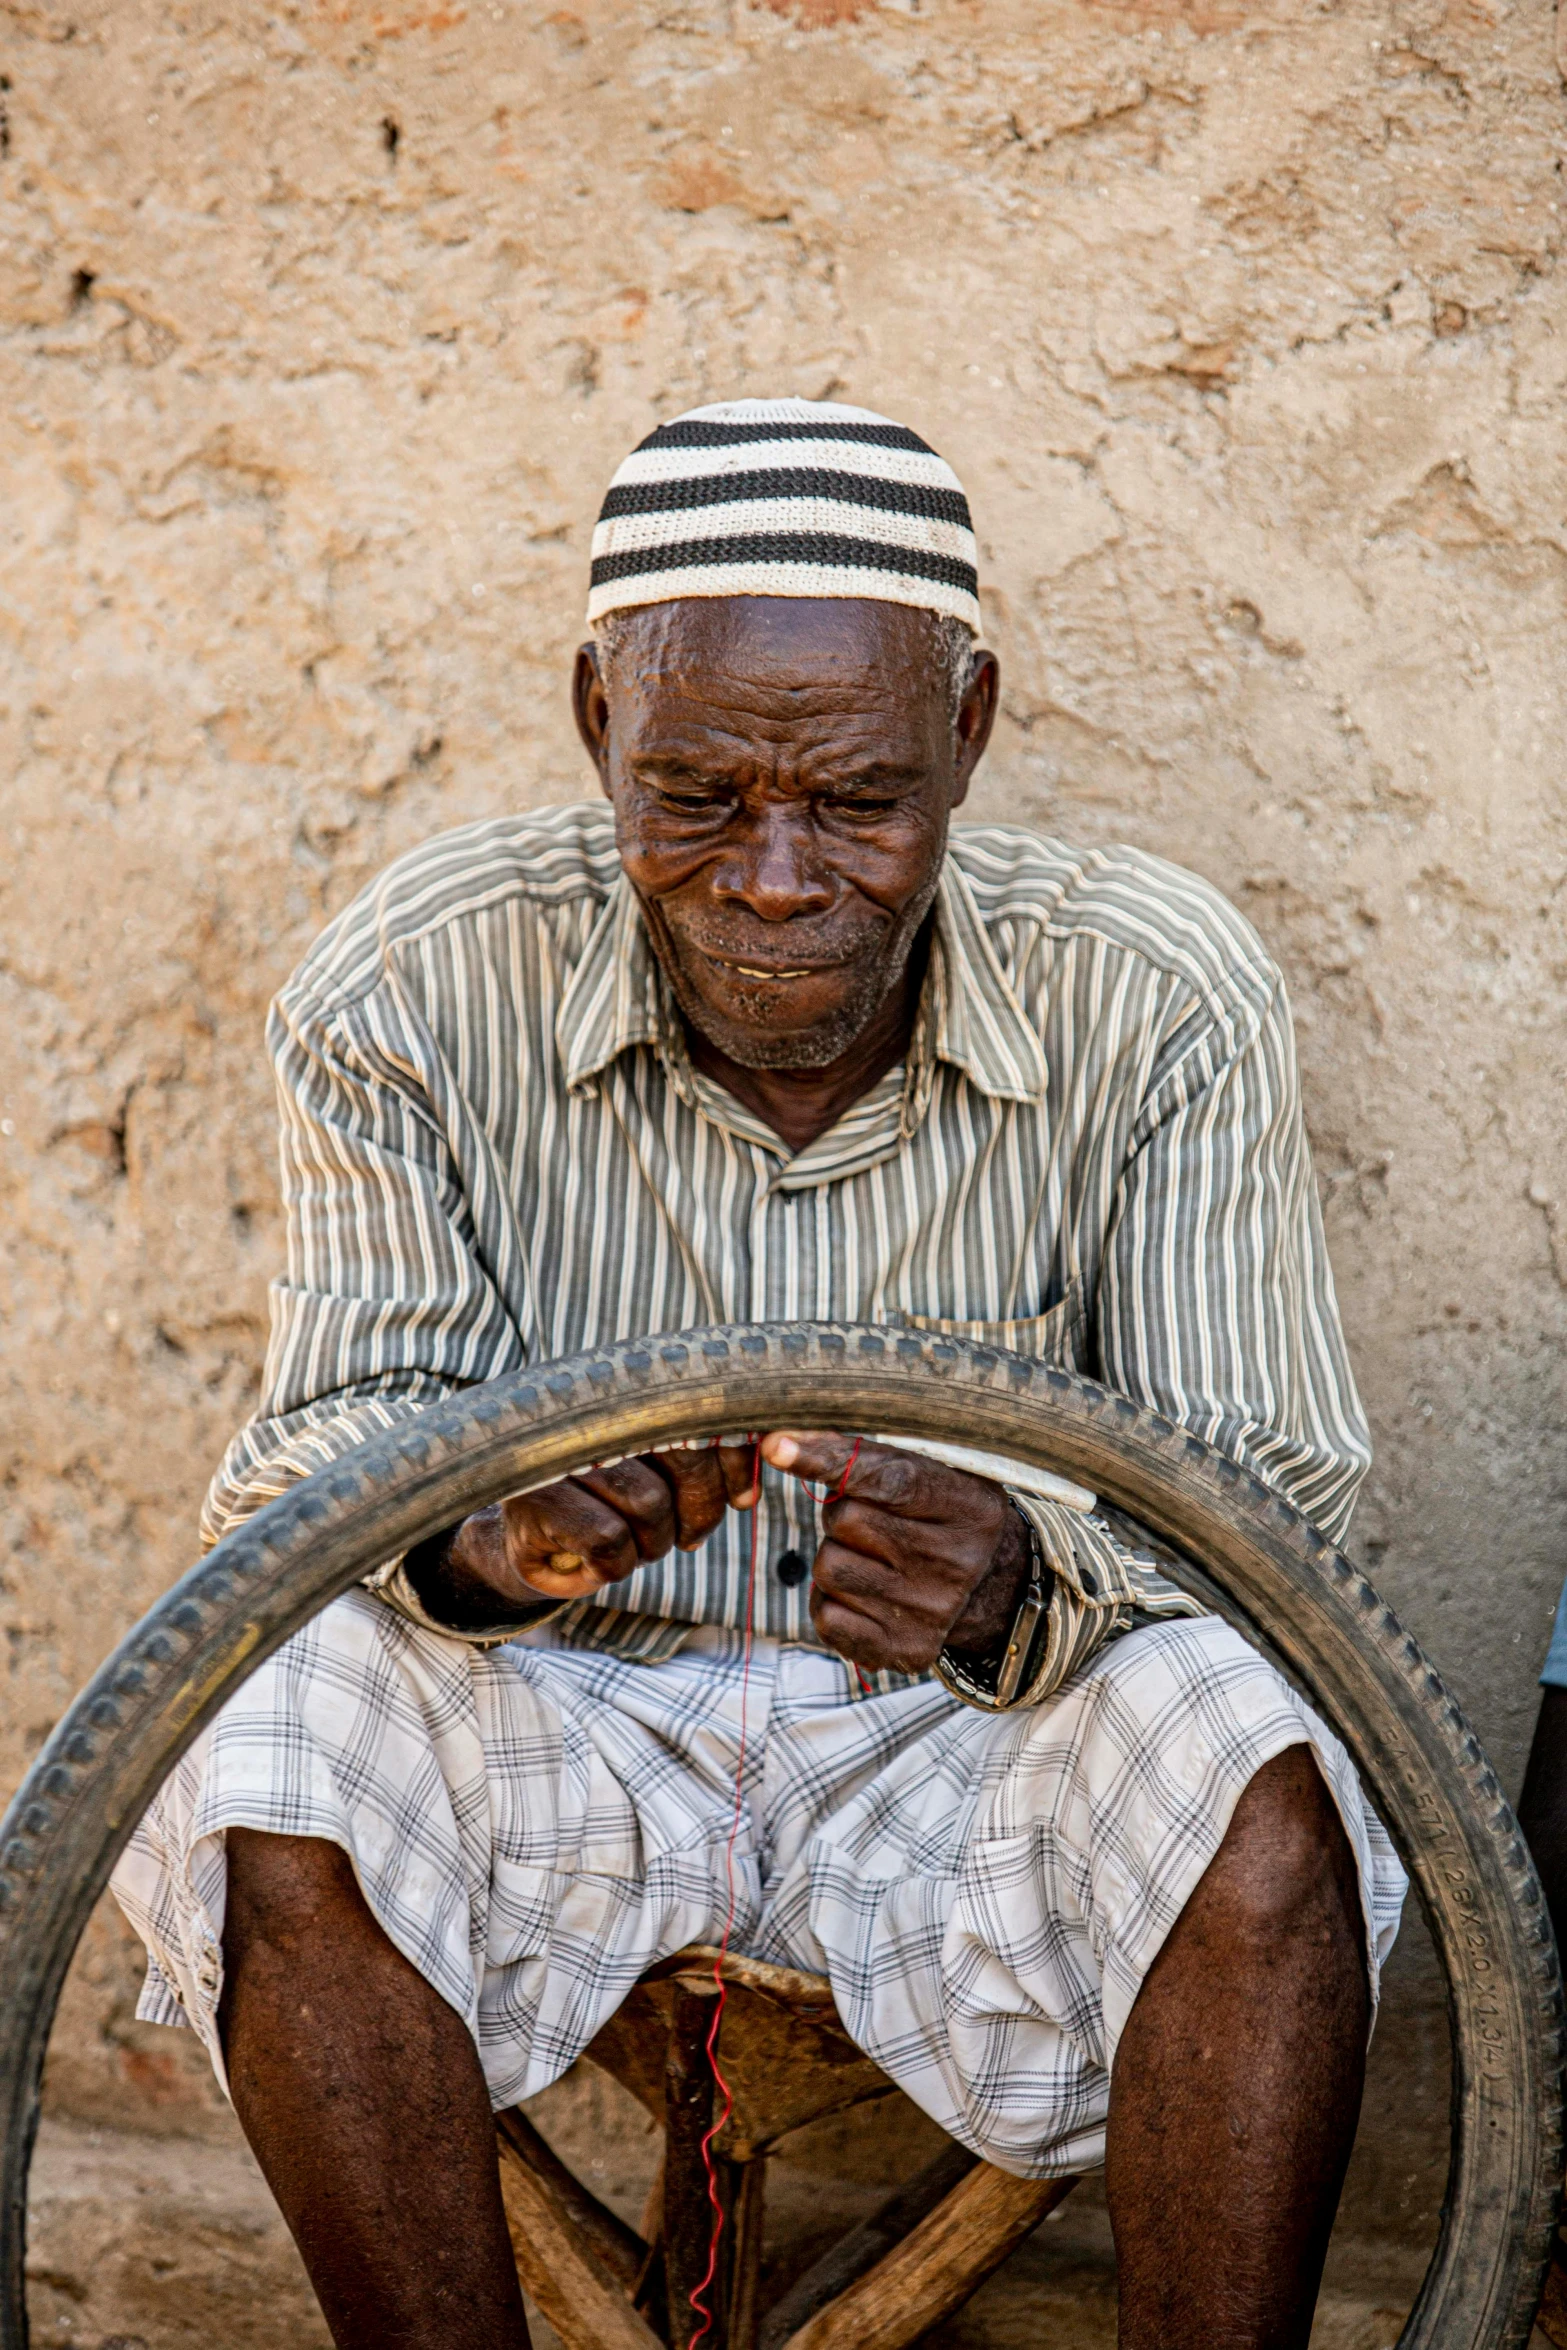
point(564, 1542)
point(810, 1453)
point(643, 1496)
point(882, 1474)
point(853, 1579)
point(741, 1473)
point(701, 1498)
point(862, 1610)
point(875, 1532)
point(737, 1462)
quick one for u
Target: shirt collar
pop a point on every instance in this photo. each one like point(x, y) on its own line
point(976, 1021)
point(616, 997)
point(969, 1015)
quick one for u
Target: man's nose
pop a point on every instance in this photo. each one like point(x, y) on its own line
point(776, 868)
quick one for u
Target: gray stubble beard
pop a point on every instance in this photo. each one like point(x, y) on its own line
point(819, 1047)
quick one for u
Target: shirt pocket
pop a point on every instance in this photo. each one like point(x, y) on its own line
point(1060, 1338)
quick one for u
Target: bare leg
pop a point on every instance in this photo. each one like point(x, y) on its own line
point(1237, 2083)
point(361, 2093)
point(1542, 1807)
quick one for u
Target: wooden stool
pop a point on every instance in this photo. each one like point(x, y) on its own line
point(789, 2061)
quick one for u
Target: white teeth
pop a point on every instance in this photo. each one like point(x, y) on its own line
point(750, 971)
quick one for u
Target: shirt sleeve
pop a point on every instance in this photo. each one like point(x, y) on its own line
point(1216, 1303)
point(386, 1306)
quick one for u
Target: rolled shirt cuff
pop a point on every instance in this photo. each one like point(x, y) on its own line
point(391, 1583)
point(1099, 1590)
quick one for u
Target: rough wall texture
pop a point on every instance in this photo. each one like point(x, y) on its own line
point(322, 325)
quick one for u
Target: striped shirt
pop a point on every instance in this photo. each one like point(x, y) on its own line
point(495, 1149)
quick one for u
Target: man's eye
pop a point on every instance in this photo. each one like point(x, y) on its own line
point(690, 803)
point(868, 811)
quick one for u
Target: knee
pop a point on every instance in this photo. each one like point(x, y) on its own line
point(1285, 1871)
point(284, 1890)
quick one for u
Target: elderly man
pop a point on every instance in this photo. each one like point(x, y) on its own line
point(768, 1040)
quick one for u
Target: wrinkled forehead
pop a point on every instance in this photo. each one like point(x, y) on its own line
point(780, 670)
point(770, 637)
point(722, 677)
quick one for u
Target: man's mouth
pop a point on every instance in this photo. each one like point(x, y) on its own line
point(769, 970)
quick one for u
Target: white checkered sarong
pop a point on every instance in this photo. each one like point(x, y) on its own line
point(534, 1826)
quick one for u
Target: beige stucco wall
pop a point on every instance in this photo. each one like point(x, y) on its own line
point(323, 323)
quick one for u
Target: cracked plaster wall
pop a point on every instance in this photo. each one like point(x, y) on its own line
point(322, 325)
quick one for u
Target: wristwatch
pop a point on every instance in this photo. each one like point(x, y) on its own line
point(1013, 1663)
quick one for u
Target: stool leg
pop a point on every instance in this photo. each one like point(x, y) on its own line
point(745, 2266)
point(688, 2214)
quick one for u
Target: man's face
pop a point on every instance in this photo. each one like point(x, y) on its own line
point(782, 771)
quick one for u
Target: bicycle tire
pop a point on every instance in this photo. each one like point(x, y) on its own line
point(1235, 1543)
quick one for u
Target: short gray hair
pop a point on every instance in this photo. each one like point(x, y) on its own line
point(955, 647)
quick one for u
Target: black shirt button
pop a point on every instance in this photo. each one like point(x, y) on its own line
point(790, 1568)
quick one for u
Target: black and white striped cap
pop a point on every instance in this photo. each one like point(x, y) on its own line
point(785, 498)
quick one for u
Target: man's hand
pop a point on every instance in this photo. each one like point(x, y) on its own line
point(914, 1557)
point(570, 1539)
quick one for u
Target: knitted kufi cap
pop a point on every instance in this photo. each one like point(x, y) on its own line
point(785, 498)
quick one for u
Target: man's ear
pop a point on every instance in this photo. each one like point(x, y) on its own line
point(976, 717)
point(590, 708)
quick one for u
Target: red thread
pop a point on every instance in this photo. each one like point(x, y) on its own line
point(843, 1481)
point(726, 2094)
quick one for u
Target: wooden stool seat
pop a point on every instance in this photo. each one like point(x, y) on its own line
point(788, 2061)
